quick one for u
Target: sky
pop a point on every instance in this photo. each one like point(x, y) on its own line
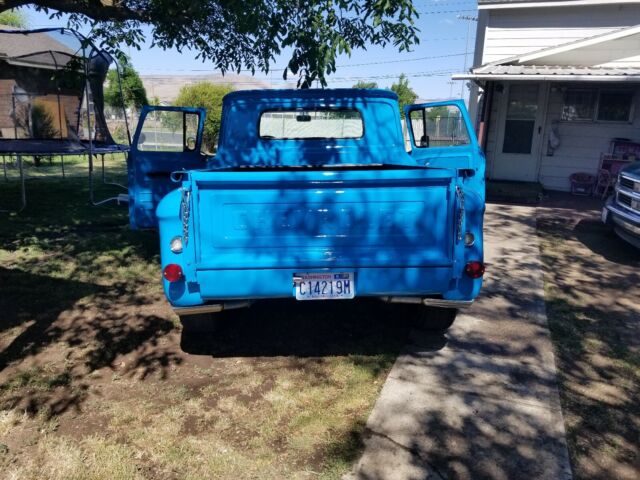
point(444, 39)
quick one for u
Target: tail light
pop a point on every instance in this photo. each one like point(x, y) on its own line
point(474, 269)
point(173, 273)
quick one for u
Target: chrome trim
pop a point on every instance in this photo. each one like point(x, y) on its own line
point(618, 211)
point(627, 237)
point(413, 300)
point(439, 302)
point(430, 302)
point(628, 177)
point(631, 228)
point(211, 307)
point(628, 192)
point(473, 242)
point(177, 237)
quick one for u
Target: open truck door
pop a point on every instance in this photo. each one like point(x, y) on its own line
point(442, 136)
point(167, 139)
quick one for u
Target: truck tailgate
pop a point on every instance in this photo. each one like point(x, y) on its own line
point(323, 219)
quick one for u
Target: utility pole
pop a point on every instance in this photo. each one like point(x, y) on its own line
point(469, 19)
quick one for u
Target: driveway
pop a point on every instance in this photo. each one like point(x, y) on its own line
point(482, 401)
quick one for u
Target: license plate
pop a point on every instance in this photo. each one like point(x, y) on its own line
point(605, 214)
point(324, 286)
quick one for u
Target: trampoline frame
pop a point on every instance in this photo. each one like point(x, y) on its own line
point(90, 149)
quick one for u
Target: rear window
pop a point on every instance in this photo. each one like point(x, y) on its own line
point(317, 124)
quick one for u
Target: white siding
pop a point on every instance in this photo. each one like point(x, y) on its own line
point(581, 144)
point(520, 31)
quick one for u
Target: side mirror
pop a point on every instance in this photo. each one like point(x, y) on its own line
point(424, 141)
point(142, 138)
point(191, 143)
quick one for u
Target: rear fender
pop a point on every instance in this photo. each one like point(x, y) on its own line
point(172, 223)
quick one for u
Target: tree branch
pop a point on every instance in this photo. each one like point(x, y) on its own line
point(106, 10)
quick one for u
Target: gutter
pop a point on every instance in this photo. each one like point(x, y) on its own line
point(550, 78)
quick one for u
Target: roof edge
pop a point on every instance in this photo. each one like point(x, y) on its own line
point(510, 4)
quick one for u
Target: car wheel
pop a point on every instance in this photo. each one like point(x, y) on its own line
point(435, 319)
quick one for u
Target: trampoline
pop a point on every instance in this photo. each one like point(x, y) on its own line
point(52, 100)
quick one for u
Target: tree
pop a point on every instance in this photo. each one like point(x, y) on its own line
point(248, 34)
point(406, 95)
point(13, 18)
point(133, 91)
point(209, 96)
point(363, 84)
point(437, 112)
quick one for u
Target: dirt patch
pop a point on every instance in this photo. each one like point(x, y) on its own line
point(592, 286)
point(97, 381)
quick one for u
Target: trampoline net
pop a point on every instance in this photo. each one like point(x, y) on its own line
point(46, 77)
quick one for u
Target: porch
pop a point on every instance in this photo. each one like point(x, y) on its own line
point(544, 131)
point(547, 114)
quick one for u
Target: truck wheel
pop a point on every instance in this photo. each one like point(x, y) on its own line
point(435, 319)
point(201, 323)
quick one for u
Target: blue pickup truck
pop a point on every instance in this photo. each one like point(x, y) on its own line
point(313, 195)
point(622, 210)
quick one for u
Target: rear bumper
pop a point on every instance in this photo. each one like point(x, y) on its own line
point(430, 302)
point(437, 286)
point(211, 308)
point(218, 307)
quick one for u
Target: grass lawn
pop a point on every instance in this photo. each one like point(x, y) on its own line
point(96, 381)
point(592, 289)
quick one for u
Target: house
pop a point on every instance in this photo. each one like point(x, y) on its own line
point(553, 82)
point(49, 79)
point(26, 64)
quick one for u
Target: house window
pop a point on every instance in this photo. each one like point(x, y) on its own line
point(579, 105)
point(615, 106)
point(588, 105)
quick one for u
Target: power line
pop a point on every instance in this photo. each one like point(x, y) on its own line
point(382, 62)
point(438, 12)
point(427, 73)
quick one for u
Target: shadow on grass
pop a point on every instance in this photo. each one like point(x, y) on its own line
point(591, 291)
point(77, 282)
point(601, 239)
point(94, 324)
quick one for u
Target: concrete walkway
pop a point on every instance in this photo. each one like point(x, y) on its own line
point(481, 403)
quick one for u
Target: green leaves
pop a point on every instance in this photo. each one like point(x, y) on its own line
point(14, 18)
point(133, 91)
point(209, 96)
point(231, 36)
point(406, 95)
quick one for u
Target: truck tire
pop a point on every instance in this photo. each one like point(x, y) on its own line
point(435, 319)
point(201, 323)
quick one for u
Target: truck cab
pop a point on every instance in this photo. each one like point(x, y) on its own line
point(319, 195)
